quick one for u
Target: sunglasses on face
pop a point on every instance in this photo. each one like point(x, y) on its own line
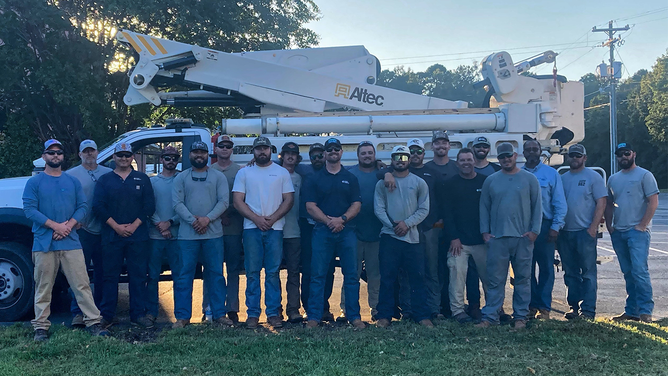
point(124, 155)
point(366, 143)
point(54, 152)
point(417, 151)
point(481, 146)
point(400, 158)
point(504, 156)
point(169, 158)
point(225, 146)
point(626, 153)
point(575, 155)
point(316, 156)
point(333, 149)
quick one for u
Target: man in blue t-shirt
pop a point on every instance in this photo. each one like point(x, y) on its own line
point(55, 203)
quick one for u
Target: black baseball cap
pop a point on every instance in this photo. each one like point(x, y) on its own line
point(332, 142)
point(290, 147)
point(482, 140)
point(316, 146)
point(623, 146)
point(261, 141)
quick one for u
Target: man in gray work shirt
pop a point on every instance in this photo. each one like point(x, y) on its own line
point(510, 219)
point(400, 212)
point(89, 232)
point(200, 197)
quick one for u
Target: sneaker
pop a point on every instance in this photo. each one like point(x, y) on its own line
point(78, 321)
point(252, 322)
point(224, 321)
point(106, 323)
point(358, 324)
point(483, 324)
point(383, 323)
point(543, 314)
point(571, 315)
point(328, 316)
point(143, 322)
point(275, 322)
point(295, 317)
point(234, 316)
point(310, 324)
point(426, 323)
point(586, 316)
point(520, 324)
point(532, 313)
point(41, 335)
point(96, 330)
point(463, 318)
point(180, 324)
point(624, 317)
point(645, 317)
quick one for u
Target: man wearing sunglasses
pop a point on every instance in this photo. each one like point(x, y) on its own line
point(554, 211)
point(633, 197)
point(586, 197)
point(88, 173)
point(55, 203)
point(333, 198)
point(163, 230)
point(124, 202)
point(510, 220)
point(481, 148)
point(233, 225)
point(200, 196)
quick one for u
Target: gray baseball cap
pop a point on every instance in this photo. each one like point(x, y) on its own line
point(440, 135)
point(505, 148)
point(85, 144)
point(482, 140)
point(577, 148)
point(261, 141)
point(199, 145)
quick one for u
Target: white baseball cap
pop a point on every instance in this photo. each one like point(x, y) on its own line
point(401, 149)
point(415, 142)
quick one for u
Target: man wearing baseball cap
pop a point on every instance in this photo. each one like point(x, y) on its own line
point(633, 197)
point(124, 203)
point(263, 194)
point(400, 212)
point(481, 148)
point(88, 173)
point(55, 203)
point(586, 198)
point(510, 219)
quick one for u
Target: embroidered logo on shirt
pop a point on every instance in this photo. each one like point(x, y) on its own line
point(582, 183)
point(479, 190)
point(138, 187)
point(345, 182)
point(139, 179)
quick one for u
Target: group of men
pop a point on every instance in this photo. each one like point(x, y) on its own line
point(426, 234)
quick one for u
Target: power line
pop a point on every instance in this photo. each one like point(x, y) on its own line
point(643, 14)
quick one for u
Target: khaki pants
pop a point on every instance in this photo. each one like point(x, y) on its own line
point(459, 266)
point(74, 267)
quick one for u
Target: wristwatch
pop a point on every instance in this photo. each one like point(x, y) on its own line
point(171, 222)
point(345, 219)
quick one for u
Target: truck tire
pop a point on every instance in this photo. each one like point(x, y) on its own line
point(16, 281)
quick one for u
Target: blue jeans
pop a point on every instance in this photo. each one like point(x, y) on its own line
point(632, 249)
point(92, 250)
point(306, 230)
point(325, 245)
point(517, 251)
point(159, 250)
point(578, 256)
point(211, 251)
point(263, 249)
point(233, 254)
point(395, 254)
point(136, 255)
point(543, 257)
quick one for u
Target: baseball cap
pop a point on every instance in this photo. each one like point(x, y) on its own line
point(199, 145)
point(85, 144)
point(122, 147)
point(316, 146)
point(290, 146)
point(505, 148)
point(332, 142)
point(620, 146)
point(401, 149)
point(415, 142)
point(52, 142)
point(261, 141)
point(577, 148)
point(169, 150)
point(440, 135)
point(224, 138)
point(482, 140)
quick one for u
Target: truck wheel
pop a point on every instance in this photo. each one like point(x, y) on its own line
point(16, 281)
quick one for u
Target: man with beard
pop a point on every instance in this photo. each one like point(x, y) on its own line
point(55, 203)
point(481, 147)
point(263, 194)
point(586, 197)
point(400, 212)
point(124, 202)
point(333, 199)
point(633, 197)
point(200, 197)
point(510, 219)
point(290, 158)
point(554, 211)
point(164, 229)
point(88, 173)
point(233, 225)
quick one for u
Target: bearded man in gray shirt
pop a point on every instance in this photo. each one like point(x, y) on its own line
point(510, 221)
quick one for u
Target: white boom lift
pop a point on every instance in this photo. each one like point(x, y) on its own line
point(320, 91)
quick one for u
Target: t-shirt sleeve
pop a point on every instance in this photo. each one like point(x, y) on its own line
point(598, 187)
point(287, 182)
point(649, 185)
point(240, 182)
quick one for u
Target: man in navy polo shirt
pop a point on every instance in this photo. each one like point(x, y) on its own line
point(332, 196)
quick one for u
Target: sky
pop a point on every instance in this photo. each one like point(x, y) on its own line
point(420, 33)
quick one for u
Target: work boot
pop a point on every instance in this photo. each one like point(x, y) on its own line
point(645, 317)
point(475, 314)
point(483, 324)
point(383, 323)
point(252, 322)
point(426, 323)
point(180, 324)
point(463, 318)
point(586, 316)
point(520, 324)
point(78, 321)
point(437, 316)
point(624, 317)
point(151, 318)
point(328, 316)
point(358, 324)
point(342, 318)
point(532, 313)
point(571, 315)
point(234, 316)
point(311, 324)
point(543, 314)
point(143, 322)
point(108, 324)
point(295, 317)
point(224, 321)
point(96, 330)
point(41, 335)
point(275, 322)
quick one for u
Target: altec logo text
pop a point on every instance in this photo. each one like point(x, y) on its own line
point(362, 95)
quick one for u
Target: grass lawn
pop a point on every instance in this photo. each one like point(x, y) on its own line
point(552, 347)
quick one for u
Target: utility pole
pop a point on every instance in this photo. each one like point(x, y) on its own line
point(610, 31)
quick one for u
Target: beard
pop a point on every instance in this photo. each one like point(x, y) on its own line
point(197, 163)
point(54, 164)
point(400, 168)
point(480, 155)
point(262, 159)
point(626, 163)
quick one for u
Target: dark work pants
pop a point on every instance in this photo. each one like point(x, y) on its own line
point(92, 250)
point(135, 253)
point(444, 276)
point(473, 285)
point(306, 230)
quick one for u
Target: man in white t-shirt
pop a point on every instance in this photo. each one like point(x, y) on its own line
point(263, 194)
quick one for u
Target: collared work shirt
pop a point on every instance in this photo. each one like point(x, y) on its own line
point(552, 194)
